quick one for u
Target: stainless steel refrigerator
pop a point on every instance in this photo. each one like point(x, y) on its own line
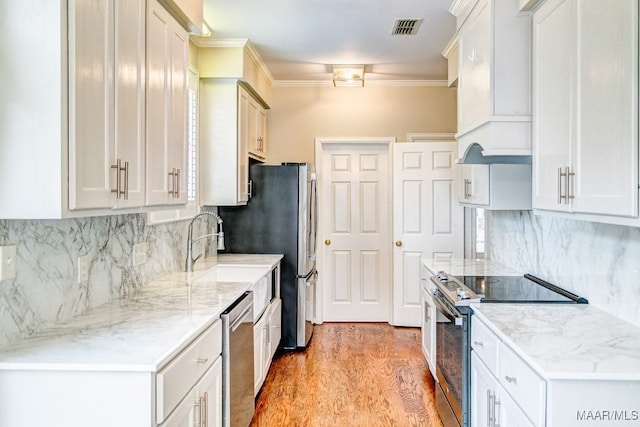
point(281, 218)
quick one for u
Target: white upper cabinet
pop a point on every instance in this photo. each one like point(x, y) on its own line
point(73, 138)
point(585, 103)
point(224, 142)
point(257, 130)
point(106, 105)
point(495, 186)
point(167, 91)
point(130, 102)
point(494, 90)
point(91, 103)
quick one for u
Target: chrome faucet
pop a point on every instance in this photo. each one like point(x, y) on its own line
point(190, 240)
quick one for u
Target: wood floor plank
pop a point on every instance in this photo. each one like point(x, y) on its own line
point(352, 374)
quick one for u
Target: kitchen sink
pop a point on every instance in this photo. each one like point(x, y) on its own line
point(234, 273)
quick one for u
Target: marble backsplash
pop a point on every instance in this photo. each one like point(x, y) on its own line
point(46, 290)
point(598, 261)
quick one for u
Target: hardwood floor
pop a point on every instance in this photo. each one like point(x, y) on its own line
point(352, 374)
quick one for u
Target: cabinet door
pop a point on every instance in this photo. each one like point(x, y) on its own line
point(257, 130)
point(243, 146)
point(474, 81)
point(90, 103)
point(262, 132)
point(553, 57)
point(508, 413)
point(606, 156)
point(130, 48)
point(202, 403)
point(473, 184)
point(177, 148)
point(252, 127)
point(167, 49)
point(491, 405)
point(483, 393)
point(429, 331)
point(260, 337)
point(275, 327)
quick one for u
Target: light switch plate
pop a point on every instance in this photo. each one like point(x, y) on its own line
point(7, 262)
point(83, 268)
point(139, 253)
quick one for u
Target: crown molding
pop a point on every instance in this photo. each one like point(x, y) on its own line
point(367, 83)
point(245, 44)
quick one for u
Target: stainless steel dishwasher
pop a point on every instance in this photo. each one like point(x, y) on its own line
point(237, 363)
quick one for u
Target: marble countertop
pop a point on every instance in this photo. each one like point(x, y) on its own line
point(469, 267)
point(567, 341)
point(140, 332)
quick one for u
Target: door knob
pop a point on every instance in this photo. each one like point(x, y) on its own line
point(399, 243)
point(327, 242)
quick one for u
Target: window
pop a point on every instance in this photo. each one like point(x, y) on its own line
point(475, 233)
point(192, 161)
point(480, 232)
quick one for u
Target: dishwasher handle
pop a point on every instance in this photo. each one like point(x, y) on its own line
point(238, 310)
point(248, 312)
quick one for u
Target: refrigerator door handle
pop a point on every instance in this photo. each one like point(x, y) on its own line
point(314, 211)
point(306, 276)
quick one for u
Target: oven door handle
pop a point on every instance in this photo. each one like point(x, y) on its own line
point(446, 312)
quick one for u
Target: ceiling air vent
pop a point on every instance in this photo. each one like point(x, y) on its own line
point(406, 27)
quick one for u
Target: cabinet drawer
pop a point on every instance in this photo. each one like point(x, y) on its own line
point(178, 376)
point(485, 344)
point(522, 383)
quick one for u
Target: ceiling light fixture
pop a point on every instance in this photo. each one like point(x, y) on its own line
point(348, 75)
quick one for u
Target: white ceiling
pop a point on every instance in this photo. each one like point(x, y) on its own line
point(301, 39)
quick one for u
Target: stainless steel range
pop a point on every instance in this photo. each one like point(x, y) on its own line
point(452, 298)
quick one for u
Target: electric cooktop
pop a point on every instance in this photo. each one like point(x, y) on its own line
point(462, 290)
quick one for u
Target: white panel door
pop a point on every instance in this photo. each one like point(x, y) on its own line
point(427, 220)
point(356, 228)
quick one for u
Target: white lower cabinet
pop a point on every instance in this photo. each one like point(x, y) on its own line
point(507, 391)
point(491, 406)
point(185, 392)
point(202, 405)
point(267, 332)
point(428, 322)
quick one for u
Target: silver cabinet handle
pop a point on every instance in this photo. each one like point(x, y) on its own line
point(250, 189)
point(121, 190)
point(569, 184)
point(126, 180)
point(560, 195)
point(206, 410)
point(478, 343)
point(171, 175)
point(177, 195)
point(510, 379)
point(494, 416)
point(174, 191)
point(489, 408)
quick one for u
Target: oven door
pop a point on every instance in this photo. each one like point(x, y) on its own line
point(451, 338)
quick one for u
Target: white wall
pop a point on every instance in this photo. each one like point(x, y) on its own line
point(300, 114)
point(598, 261)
